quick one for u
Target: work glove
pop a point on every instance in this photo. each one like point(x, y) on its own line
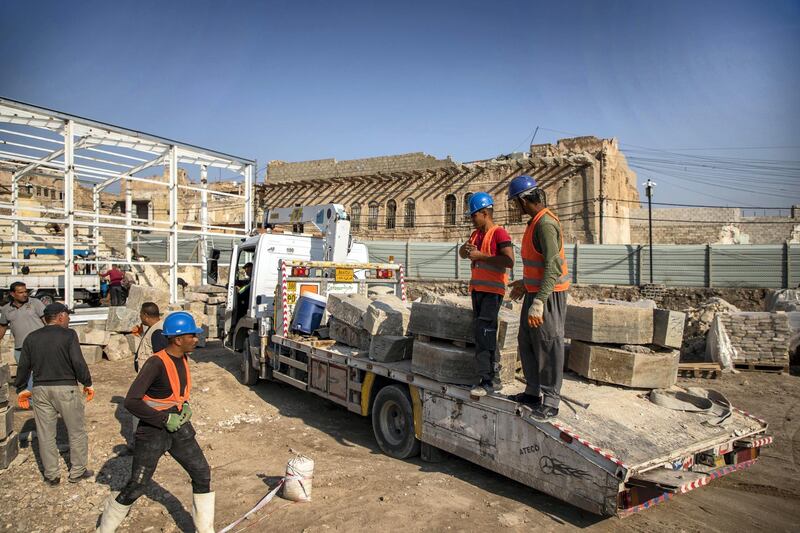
point(89, 392)
point(536, 314)
point(186, 413)
point(174, 422)
point(24, 399)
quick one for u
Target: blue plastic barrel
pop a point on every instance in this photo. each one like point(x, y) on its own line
point(308, 313)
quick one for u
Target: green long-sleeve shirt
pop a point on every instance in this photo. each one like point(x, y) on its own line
point(547, 241)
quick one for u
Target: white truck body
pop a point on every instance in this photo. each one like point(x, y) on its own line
point(49, 288)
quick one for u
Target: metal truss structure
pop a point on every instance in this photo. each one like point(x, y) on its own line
point(95, 155)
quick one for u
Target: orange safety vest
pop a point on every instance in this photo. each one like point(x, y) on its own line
point(175, 399)
point(533, 261)
point(486, 277)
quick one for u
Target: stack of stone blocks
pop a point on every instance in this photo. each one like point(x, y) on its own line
point(9, 439)
point(629, 345)
point(758, 337)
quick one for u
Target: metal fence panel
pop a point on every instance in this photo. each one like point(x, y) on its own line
point(432, 260)
point(380, 251)
point(794, 266)
point(612, 264)
point(754, 265)
point(675, 265)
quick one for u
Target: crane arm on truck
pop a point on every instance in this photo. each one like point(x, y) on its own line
point(331, 220)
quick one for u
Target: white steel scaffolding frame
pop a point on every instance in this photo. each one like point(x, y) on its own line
point(36, 140)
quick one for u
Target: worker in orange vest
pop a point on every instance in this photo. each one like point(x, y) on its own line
point(159, 397)
point(544, 283)
point(491, 252)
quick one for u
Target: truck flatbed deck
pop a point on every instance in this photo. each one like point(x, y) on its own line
point(620, 455)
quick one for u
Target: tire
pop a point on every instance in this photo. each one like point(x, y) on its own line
point(247, 374)
point(393, 422)
point(45, 298)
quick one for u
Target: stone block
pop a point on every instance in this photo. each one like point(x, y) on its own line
point(137, 295)
point(3, 393)
point(216, 300)
point(349, 335)
point(6, 421)
point(387, 315)
point(97, 337)
point(668, 328)
point(348, 308)
point(210, 289)
point(506, 365)
point(444, 362)
point(9, 448)
point(133, 341)
point(5, 372)
point(390, 348)
point(196, 308)
point(609, 364)
point(196, 297)
point(441, 321)
point(121, 319)
point(507, 330)
point(117, 348)
point(612, 324)
point(92, 353)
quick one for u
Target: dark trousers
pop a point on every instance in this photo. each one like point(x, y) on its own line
point(485, 307)
point(541, 349)
point(150, 444)
point(117, 295)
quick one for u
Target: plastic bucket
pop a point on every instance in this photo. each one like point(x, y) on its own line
point(308, 313)
point(299, 478)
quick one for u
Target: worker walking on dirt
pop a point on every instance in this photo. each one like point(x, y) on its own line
point(54, 356)
point(491, 252)
point(159, 398)
point(544, 283)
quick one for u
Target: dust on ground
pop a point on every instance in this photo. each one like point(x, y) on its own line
point(247, 434)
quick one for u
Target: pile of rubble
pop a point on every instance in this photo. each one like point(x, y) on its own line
point(628, 344)
point(758, 338)
point(698, 323)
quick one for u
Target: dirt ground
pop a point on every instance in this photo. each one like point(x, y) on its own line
point(248, 434)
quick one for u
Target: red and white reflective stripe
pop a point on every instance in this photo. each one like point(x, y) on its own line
point(285, 300)
point(402, 283)
point(745, 413)
point(757, 443)
point(686, 488)
point(591, 446)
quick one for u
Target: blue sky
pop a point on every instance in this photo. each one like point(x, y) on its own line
point(309, 80)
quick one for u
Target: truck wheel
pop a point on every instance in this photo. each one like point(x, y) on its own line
point(393, 422)
point(247, 374)
point(45, 298)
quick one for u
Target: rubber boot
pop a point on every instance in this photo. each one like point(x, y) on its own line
point(203, 512)
point(113, 515)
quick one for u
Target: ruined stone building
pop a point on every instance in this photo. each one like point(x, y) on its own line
point(418, 197)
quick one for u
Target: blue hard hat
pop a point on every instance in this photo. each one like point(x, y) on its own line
point(180, 323)
point(478, 201)
point(520, 185)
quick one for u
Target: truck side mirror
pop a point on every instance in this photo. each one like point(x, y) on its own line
point(212, 264)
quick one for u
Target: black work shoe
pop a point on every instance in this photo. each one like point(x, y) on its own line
point(544, 412)
point(527, 399)
point(53, 482)
point(86, 475)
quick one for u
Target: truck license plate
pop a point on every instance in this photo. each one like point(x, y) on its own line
point(344, 274)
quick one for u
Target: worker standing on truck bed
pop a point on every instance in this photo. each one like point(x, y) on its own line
point(491, 252)
point(159, 398)
point(544, 283)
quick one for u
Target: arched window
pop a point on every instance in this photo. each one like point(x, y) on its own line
point(450, 210)
point(411, 213)
point(514, 212)
point(467, 196)
point(355, 215)
point(372, 221)
point(391, 214)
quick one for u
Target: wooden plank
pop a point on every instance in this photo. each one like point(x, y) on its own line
point(770, 368)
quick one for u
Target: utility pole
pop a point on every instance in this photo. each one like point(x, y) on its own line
point(648, 187)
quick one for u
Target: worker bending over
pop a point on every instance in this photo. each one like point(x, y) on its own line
point(158, 397)
point(544, 310)
point(490, 250)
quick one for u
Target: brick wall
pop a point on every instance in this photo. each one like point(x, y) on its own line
point(281, 171)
